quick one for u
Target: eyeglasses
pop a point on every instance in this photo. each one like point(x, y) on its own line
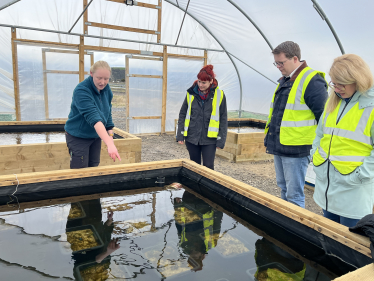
point(336, 86)
point(279, 63)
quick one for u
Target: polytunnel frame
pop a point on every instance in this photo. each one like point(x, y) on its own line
point(84, 12)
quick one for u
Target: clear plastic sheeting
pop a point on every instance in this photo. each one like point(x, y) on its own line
point(181, 75)
point(243, 33)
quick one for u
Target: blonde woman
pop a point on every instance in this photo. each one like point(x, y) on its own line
point(90, 119)
point(343, 156)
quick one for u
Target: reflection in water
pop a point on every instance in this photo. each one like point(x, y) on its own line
point(163, 234)
point(28, 138)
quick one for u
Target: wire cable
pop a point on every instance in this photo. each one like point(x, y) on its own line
point(11, 199)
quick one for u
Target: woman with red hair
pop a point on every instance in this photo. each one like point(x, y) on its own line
point(202, 123)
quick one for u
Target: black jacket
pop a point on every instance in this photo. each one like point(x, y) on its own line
point(315, 97)
point(200, 117)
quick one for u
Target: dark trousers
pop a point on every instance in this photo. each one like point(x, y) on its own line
point(207, 151)
point(83, 152)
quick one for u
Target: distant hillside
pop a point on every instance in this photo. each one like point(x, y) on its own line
point(118, 73)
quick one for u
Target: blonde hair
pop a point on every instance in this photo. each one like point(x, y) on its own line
point(349, 69)
point(100, 64)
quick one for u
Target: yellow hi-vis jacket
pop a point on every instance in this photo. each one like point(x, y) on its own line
point(347, 143)
point(209, 239)
point(213, 128)
point(298, 122)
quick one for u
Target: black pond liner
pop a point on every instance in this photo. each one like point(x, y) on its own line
point(246, 123)
point(306, 241)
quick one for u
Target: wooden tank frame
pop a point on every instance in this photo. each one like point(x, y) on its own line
point(338, 233)
point(26, 158)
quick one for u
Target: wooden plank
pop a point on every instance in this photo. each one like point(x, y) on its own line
point(23, 123)
point(244, 138)
point(159, 20)
point(365, 273)
point(61, 51)
point(232, 137)
point(81, 58)
point(92, 59)
point(48, 43)
point(144, 58)
point(164, 89)
point(146, 117)
point(225, 154)
point(46, 106)
point(186, 56)
point(323, 225)
point(17, 99)
point(87, 172)
point(125, 134)
point(205, 57)
point(64, 72)
point(122, 28)
point(253, 148)
point(140, 4)
point(127, 81)
point(253, 157)
point(120, 50)
point(145, 76)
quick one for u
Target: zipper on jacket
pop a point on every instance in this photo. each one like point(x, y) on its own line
point(328, 155)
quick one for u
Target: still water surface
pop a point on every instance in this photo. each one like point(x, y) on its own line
point(161, 234)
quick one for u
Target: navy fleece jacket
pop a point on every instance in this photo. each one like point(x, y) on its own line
point(88, 107)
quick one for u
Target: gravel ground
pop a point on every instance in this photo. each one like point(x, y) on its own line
point(163, 147)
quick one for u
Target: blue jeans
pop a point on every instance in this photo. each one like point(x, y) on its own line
point(290, 173)
point(339, 219)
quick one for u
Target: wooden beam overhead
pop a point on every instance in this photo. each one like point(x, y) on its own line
point(127, 93)
point(145, 76)
point(48, 43)
point(205, 57)
point(146, 117)
point(122, 28)
point(64, 71)
point(145, 58)
point(120, 50)
point(186, 57)
point(159, 18)
point(15, 74)
point(85, 17)
point(45, 83)
point(139, 4)
point(81, 59)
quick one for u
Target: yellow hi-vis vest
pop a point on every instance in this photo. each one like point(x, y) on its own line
point(347, 143)
point(298, 124)
point(213, 128)
point(209, 240)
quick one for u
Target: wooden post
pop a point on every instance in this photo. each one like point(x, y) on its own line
point(127, 93)
point(46, 106)
point(159, 21)
point(205, 57)
point(15, 75)
point(92, 59)
point(164, 88)
point(81, 59)
point(153, 214)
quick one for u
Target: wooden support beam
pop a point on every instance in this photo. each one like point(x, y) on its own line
point(145, 58)
point(122, 28)
point(63, 71)
point(146, 117)
point(81, 59)
point(145, 76)
point(92, 59)
point(186, 57)
point(61, 51)
point(46, 106)
point(48, 43)
point(127, 79)
point(123, 51)
point(164, 88)
point(159, 19)
point(139, 4)
point(205, 57)
point(85, 17)
point(15, 74)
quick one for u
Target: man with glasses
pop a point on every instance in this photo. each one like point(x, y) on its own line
point(297, 104)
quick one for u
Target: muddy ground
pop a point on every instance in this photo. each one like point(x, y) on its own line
point(164, 147)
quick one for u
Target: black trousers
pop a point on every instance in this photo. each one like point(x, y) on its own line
point(207, 151)
point(83, 152)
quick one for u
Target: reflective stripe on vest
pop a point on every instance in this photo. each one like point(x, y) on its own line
point(208, 221)
point(213, 128)
point(298, 122)
point(347, 143)
point(183, 234)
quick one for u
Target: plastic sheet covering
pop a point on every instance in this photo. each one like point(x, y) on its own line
point(7, 104)
point(181, 74)
point(145, 96)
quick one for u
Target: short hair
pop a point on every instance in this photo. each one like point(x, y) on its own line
point(100, 64)
point(289, 49)
point(349, 69)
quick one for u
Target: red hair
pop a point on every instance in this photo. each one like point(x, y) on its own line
point(206, 73)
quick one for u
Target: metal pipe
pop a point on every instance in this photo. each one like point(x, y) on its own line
point(184, 16)
point(325, 18)
point(9, 4)
point(80, 16)
point(109, 38)
point(253, 23)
